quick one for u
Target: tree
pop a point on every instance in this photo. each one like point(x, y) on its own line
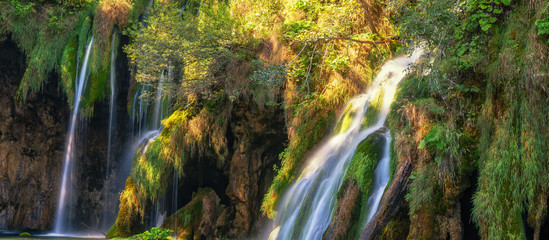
point(186, 43)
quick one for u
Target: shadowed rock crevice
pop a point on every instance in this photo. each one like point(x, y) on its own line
point(31, 146)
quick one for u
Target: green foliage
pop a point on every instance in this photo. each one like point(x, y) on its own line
point(297, 30)
point(431, 105)
point(440, 138)
point(339, 63)
point(543, 26)
point(431, 21)
point(189, 43)
point(424, 189)
point(24, 234)
point(364, 161)
point(42, 32)
point(542, 23)
point(22, 9)
point(156, 233)
point(267, 82)
point(458, 29)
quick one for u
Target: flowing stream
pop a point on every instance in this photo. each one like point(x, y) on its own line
point(70, 147)
point(307, 207)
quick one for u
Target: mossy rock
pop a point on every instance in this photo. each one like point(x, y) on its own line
point(346, 119)
point(24, 234)
point(198, 218)
point(367, 155)
point(372, 112)
point(361, 170)
point(128, 222)
point(68, 69)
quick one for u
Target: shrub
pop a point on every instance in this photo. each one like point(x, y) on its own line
point(156, 233)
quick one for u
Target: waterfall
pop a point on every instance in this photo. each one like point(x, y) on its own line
point(158, 104)
point(306, 209)
point(381, 179)
point(146, 124)
point(70, 146)
point(112, 103)
point(109, 184)
point(175, 191)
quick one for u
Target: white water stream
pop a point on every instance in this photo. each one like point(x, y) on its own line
point(307, 207)
point(70, 147)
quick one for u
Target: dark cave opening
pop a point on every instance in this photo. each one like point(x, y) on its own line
point(470, 229)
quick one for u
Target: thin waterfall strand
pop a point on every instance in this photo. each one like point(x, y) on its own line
point(112, 103)
point(70, 147)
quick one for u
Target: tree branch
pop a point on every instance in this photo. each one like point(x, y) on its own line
point(395, 38)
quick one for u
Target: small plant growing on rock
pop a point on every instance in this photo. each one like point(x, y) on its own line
point(24, 234)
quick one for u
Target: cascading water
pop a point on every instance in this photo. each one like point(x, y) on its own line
point(112, 103)
point(110, 185)
point(158, 104)
point(307, 207)
point(146, 119)
point(70, 147)
point(381, 179)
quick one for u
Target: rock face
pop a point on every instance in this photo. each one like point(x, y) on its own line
point(390, 203)
point(258, 139)
point(198, 218)
point(90, 168)
point(32, 142)
point(230, 196)
point(345, 213)
point(31, 148)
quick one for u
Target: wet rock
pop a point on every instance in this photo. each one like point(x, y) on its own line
point(258, 137)
point(31, 142)
point(345, 212)
point(390, 203)
point(197, 219)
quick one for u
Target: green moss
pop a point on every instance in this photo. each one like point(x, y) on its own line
point(365, 159)
point(512, 159)
point(346, 119)
point(24, 234)
point(361, 170)
point(308, 134)
point(42, 40)
point(68, 69)
point(374, 107)
point(128, 221)
point(398, 227)
point(186, 221)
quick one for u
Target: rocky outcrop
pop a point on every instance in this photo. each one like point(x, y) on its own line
point(31, 148)
point(239, 177)
point(197, 219)
point(32, 141)
point(258, 139)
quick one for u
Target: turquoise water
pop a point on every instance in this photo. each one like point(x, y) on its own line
point(15, 236)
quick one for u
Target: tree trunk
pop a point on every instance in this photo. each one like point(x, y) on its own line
point(367, 6)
